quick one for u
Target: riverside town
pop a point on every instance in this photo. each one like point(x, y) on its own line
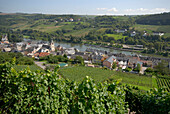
point(84, 57)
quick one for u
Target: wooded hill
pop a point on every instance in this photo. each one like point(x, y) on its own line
point(156, 19)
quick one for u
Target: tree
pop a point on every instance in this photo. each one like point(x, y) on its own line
point(128, 69)
point(79, 60)
point(149, 70)
point(25, 61)
point(138, 68)
point(162, 68)
point(114, 65)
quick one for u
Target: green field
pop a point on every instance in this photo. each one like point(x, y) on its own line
point(100, 75)
point(31, 67)
point(116, 36)
point(122, 18)
point(150, 28)
point(79, 33)
point(163, 82)
point(39, 25)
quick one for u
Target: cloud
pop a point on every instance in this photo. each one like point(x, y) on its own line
point(145, 11)
point(108, 10)
point(113, 9)
point(138, 11)
point(142, 9)
point(101, 8)
point(128, 10)
point(160, 10)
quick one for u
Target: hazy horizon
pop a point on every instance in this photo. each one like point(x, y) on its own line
point(86, 7)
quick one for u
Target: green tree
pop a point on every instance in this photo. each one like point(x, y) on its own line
point(162, 68)
point(79, 60)
point(114, 65)
point(25, 61)
point(138, 68)
point(149, 70)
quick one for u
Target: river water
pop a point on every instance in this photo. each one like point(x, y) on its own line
point(82, 47)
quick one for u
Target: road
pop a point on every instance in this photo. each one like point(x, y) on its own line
point(40, 64)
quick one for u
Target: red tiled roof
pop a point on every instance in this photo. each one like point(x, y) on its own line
point(42, 54)
point(36, 54)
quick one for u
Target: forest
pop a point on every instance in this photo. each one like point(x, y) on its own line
point(157, 19)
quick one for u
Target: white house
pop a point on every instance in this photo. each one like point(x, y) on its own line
point(145, 34)
point(158, 33)
point(133, 33)
point(71, 19)
point(121, 30)
point(70, 51)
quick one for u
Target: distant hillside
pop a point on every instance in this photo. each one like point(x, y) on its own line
point(156, 19)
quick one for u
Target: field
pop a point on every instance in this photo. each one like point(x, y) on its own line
point(150, 28)
point(123, 18)
point(79, 33)
point(22, 67)
point(41, 27)
point(100, 75)
point(51, 27)
point(163, 82)
point(116, 36)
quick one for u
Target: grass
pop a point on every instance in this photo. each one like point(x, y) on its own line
point(31, 67)
point(167, 35)
point(51, 27)
point(26, 36)
point(79, 33)
point(102, 30)
point(100, 75)
point(154, 83)
point(67, 27)
point(116, 36)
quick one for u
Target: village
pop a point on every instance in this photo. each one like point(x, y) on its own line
point(91, 57)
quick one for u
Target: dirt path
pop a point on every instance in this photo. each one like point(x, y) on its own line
point(40, 64)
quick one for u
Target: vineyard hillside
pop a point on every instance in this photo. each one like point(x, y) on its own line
point(100, 75)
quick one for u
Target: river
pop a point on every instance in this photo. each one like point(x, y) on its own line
point(82, 47)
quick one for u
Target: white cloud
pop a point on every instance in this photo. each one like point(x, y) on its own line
point(142, 9)
point(160, 10)
point(113, 9)
point(109, 10)
point(101, 8)
point(138, 11)
point(145, 11)
point(128, 10)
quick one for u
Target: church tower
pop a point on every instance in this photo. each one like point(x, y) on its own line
point(52, 46)
point(5, 39)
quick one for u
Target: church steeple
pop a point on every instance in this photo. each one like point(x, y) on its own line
point(5, 39)
point(52, 45)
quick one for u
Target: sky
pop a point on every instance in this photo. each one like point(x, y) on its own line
point(86, 7)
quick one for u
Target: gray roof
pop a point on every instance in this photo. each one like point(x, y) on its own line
point(46, 46)
point(110, 59)
point(122, 58)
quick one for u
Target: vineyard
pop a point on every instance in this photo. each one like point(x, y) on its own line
point(163, 83)
point(79, 73)
point(44, 92)
point(22, 67)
